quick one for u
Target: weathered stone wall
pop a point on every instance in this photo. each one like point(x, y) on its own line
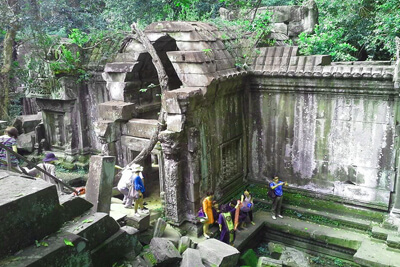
point(327, 131)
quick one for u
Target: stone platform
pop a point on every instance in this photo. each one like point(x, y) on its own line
point(360, 247)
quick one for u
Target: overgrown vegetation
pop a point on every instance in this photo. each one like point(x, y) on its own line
point(347, 30)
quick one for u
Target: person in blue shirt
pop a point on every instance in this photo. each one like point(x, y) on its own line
point(276, 185)
point(136, 192)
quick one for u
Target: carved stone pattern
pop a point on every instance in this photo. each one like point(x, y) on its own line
point(231, 159)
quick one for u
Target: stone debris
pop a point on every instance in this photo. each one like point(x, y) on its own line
point(268, 262)
point(164, 251)
point(160, 227)
point(184, 243)
point(216, 253)
point(191, 258)
point(276, 250)
point(294, 258)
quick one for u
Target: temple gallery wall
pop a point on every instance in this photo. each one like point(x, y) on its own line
point(328, 128)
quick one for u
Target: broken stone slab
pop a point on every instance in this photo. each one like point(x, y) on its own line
point(95, 228)
point(26, 142)
point(184, 243)
point(142, 128)
point(164, 251)
point(175, 122)
point(27, 123)
point(276, 250)
point(190, 258)
point(159, 229)
point(100, 182)
point(73, 206)
point(268, 262)
point(62, 249)
point(109, 131)
point(248, 258)
point(216, 253)
point(294, 258)
point(114, 248)
point(29, 211)
point(116, 110)
point(133, 232)
point(141, 223)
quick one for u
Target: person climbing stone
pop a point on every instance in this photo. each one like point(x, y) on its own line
point(48, 166)
point(247, 201)
point(276, 186)
point(207, 209)
point(9, 139)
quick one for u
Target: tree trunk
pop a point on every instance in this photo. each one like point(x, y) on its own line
point(5, 77)
point(163, 80)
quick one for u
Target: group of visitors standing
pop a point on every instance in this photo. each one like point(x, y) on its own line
point(131, 185)
point(232, 217)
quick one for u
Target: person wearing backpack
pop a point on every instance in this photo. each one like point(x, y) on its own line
point(248, 204)
point(276, 189)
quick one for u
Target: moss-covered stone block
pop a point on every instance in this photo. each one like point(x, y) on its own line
point(276, 250)
point(249, 258)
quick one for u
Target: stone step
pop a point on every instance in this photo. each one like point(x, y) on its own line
point(29, 211)
point(376, 254)
point(341, 238)
point(96, 228)
point(381, 233)
point(116, 246)
point(141, 128)
point(393, 240)
point(73, 206)
point(321, 217)
point(58, 250)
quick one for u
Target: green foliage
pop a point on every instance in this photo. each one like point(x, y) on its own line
point(68, 242)
point(78, 37)
point(41, 244)
point(326, 41)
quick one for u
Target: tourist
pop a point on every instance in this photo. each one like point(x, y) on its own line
point(123, 186)
point(240, 216)
point(216, 210)
point(226, 223)
point(136, 193)
point(9, 139)
point(207, 209)
point(276, 186)
point(48, 166)
point(247, 201)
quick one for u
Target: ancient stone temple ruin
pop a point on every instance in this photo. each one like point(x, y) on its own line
point(330, 129)
point(325, 127)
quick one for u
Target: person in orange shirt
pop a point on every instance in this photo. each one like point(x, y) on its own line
point(207, 208)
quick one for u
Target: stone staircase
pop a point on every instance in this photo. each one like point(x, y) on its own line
point(361, 236)
point(40, 229)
